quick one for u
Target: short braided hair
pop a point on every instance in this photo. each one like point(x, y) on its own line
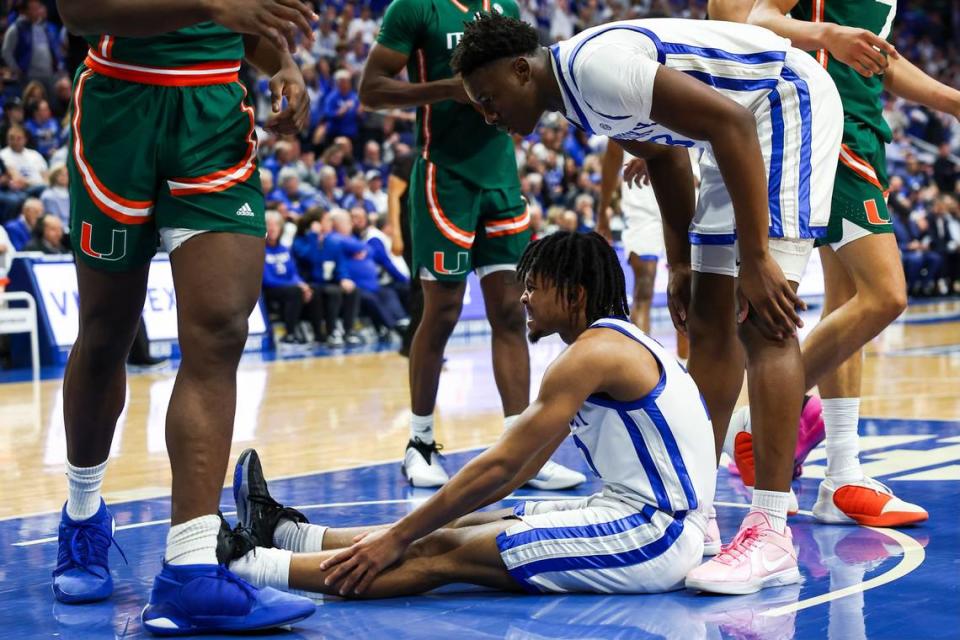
point(488, 38)
point(570, 260)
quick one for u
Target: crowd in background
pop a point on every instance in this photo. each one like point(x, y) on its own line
point(330, 258)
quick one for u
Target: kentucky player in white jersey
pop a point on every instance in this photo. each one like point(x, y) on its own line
point(631, 409)
point(769, 122)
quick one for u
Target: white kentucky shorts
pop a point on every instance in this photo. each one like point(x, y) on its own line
point(643, 230)
point(800, 127)
point(600, 544)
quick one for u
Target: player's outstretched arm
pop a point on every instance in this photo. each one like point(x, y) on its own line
point(534, 437)
point(278, 20)
point(862, 50)
point(696, 111)
point(380, 89)
point(906, 80)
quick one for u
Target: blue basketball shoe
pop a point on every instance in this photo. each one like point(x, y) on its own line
point(206, 598)
point(83, 570)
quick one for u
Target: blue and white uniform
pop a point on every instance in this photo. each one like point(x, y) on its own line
point(643, 228)
point(607, 73)
point(644, 531)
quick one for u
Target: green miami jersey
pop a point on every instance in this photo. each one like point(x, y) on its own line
point(198, 44)
point(860, 95)
point(454, 136)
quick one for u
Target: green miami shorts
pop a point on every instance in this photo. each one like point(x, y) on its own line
point(147, 157)
point(859, 190)
point(459, 227)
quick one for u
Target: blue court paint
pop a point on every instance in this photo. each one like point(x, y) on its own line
point(921, 604)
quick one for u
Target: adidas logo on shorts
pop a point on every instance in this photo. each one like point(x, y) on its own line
point(245, 210)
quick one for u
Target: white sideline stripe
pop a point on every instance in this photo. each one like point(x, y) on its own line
point(913, 556)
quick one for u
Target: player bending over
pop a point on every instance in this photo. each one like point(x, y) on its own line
point(631, 409)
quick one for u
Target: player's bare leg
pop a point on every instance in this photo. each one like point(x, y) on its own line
point(879, 295)
point(468, 554)
point(511, 359)
point(644, 276)
point(341, 538)
point(94, 383)
point(716, 354)
point(217, 278)
point(442, 302)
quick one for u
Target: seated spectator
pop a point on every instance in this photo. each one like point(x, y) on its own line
point(363, 26)
point(382, 305)
point(920, 265)
point(13, 115)
point(538, 226)
point(48, 236)
point(393, 271)
point(27, 168)
point(356, 196)
point(44, 129)
point(329, 195)
point(322, 264)
point(567, 221)
point(291, 199)
point(372, 158)
point(20, 229)
point(945, 172)
point(375, 192)
point(56, 197)
point(10, 199)
point(283, 286)
point(7, 253)
point(325, 40)
point(944, 240)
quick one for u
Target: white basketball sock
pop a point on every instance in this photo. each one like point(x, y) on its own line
point(509, 421)
point(840, 419)
point(83, 490)
point(193, 541)
point(298, 537)
point(774, 504)
point(421, 427)
point(264, 567)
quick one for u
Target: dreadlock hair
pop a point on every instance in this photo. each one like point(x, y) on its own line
point(571, 260)
point(488, 38)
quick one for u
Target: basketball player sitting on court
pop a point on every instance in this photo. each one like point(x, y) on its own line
point(632, 410)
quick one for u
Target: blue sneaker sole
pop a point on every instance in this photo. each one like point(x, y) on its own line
point(226, 625)
point(97, 595)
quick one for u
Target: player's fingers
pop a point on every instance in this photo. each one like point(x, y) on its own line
point(790, 311)
point(302, 8)
point(878, 61)
point(336, 558)
point(743, 307)
point(877, 42)
point(300, 19)
point(366, 581)
point(286, 30)
point(338, 572)
point(273, 35)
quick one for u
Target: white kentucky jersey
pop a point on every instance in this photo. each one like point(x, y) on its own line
point(606, 75)
point(652, 451)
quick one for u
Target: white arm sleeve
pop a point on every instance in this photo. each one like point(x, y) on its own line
point(615, 74)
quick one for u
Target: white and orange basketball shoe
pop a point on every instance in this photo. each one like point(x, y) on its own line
point(867, 502)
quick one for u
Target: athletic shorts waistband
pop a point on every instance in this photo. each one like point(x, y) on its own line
point(207, 73)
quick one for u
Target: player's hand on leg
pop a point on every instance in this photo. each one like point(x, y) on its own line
point(764, 288)
point(678, 295)
point(277, 20)
point(288, 83)
point(355, 568)
point(861, 50)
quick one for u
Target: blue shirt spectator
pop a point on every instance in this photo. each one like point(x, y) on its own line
point(279, 269)
point(44, 129)
point(20, 229)
point(341, 108)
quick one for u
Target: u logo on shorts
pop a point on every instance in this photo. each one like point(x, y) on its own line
point(463, 259)
point(118, 244)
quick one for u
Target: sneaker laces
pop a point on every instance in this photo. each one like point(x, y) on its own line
point(248, 589)
point(741, 544)
point(428, 449)
point(89, 544)
point(875, 485)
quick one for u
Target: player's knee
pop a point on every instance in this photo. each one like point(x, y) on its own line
point(221, 333)
point(508, 317)
point(434, 544)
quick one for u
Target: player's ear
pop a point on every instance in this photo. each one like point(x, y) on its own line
point(521, 67)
